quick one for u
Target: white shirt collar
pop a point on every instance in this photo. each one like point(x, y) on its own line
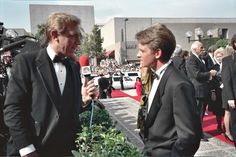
point(51, 52)
point(162, 69)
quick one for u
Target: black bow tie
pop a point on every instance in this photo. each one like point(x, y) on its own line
point(154, 74)
point(58, 59)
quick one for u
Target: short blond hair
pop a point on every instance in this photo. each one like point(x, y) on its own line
point(60, 21)
point(219, 51)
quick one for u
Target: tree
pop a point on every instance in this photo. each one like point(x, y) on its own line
point(222, 43)
point(41, 34)
point(92, 44)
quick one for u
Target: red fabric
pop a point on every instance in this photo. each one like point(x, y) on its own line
point(209, 121)
point(138, 87)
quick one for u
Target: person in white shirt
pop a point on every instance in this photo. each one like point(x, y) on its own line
point(44, 97)
point(172, 126)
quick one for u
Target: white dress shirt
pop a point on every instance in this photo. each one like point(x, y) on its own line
point(160, 72)
point(60, 70)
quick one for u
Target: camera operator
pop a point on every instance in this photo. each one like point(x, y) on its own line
point(5, 67)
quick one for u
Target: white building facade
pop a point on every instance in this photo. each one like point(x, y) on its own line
point(39, 14)
point(119, 33)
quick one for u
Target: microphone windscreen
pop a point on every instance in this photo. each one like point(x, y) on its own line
point(84, 60)
point(84, 63)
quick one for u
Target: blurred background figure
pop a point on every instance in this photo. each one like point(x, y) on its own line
point(229, 87)
point(199, 75)
point(209, 58)
point(138, 87)
point(103, 84)
point(229, 50)
point(215, 101)
point(179, 59)
point(146, 79)
point(110, 87)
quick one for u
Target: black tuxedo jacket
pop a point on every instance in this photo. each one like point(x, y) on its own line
point(228, 76)
point(229, 89)
point(199, 76)
point(172, 126)
point(32, 106)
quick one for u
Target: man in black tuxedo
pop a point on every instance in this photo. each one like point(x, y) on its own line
point(229, 83)
point(199, 76)
point(44, 98)
point(172, 127)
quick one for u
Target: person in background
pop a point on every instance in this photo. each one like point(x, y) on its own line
point(139, 87)
point(110, 87)
point(146, 79)
point(209, 58)
point(103, 84)
point(172, 126)
point(215, 101)
point(199, 75)
point(229, 86)
point(179, 59)
point(229, 50)
point(5, 73)
point(45, 95)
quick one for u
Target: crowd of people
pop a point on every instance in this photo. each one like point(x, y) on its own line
point(175, 87)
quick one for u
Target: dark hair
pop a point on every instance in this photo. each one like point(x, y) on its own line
point(212, 48)
point(184, 53)
point(233, 41)
point(158, 37)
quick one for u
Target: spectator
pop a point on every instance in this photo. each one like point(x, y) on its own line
point(229, 50)
point(199, 76)
point(229, 83)
point(215, 101)
point(138, 87)
point(110, 87)
point(179, 59)
point(147, 80)
point(103, 84)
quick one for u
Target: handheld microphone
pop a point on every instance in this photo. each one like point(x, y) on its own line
point(12, 45)
point(85, 67)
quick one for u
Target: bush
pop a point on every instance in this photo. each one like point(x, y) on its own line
point(102, 139)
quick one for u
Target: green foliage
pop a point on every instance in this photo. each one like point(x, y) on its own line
point(102, 140)
point(92, 44)
point(222, 43)
point(100, 117)
point(41, 34)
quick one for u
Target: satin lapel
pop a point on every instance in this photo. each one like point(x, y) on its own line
point(77, 83)
point(156, 103)
point(46, 75)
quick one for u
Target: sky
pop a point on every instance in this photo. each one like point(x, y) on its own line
point(15, 13)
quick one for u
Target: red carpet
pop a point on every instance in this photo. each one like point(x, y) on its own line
point(209, 121)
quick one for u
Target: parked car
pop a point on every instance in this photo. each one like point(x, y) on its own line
point(127, 82)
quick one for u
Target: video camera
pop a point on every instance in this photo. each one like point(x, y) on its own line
point(12, 44)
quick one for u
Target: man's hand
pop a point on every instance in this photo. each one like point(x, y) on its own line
point(33, 154)
point(213, 72)
point(88, 91)
point(231, 104)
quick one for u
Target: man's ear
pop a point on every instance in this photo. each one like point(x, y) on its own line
point(158, 53)
point(54, 35)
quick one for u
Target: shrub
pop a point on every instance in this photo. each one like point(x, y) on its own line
point(102, 139)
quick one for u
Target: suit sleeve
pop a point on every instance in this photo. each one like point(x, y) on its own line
point(194, 70)
point(16, 107)
point(227, 80)
point(187, 121)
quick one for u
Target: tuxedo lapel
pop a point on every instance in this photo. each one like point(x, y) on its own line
point(48, 78)
point(156, 103)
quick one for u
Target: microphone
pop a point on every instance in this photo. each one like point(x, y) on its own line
point(85, 67)
point(12, 45)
